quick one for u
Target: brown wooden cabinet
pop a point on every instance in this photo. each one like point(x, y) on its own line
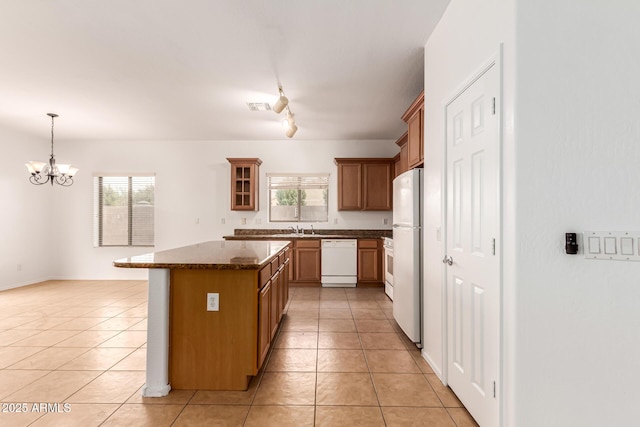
point(274, 313)
point(414, 117)
point(370, 261)
point(365, 184)
point(264, 322)
point(349, 186)
point(272, 299)
point(284, 294)
point(401, 159)
point(244, 183)
point(306, 256)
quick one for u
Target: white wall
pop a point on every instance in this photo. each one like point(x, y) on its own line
point(469, 34)
point(192, 184)
point(578, 161)
point(570, 163)
point(26, 246)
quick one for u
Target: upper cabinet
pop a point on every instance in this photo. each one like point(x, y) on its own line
point(365, 184)
point(401, 159)
point(414, 117)
point(244, 183)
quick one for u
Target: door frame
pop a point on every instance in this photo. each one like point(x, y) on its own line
point(495, 60)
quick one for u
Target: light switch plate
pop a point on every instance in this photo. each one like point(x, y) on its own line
point(213, 302)
point(612, 245)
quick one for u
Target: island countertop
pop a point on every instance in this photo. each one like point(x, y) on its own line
point(213, 255)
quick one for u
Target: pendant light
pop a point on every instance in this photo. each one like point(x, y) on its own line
point(41, 172)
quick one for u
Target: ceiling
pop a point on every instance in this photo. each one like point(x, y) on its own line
point(184, 70)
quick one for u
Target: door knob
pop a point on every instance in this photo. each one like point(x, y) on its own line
point(447, 260)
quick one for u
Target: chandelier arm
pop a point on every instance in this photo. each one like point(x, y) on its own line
point(36, 179)
point(64, 180)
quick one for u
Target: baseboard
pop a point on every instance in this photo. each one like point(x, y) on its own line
point(432, 365)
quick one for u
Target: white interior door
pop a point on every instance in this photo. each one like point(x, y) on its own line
point(472, 233)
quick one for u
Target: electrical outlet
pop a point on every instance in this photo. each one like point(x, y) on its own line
point(385, 221)
point(197, 220)
point(243, 221)
point(213, 302)
point(222, 221)
point(335, 220)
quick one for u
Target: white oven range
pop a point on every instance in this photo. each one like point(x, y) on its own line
point(388, 267)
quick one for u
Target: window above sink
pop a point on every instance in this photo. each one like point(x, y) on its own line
point(298, 197)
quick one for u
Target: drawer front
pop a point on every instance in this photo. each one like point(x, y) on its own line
point(368, 243)
point(308, 243)
point(265, 275)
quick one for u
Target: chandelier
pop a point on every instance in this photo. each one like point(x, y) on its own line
point(41, 172)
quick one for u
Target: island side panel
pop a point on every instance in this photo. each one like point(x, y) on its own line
point(213, 350)
point(157, 384)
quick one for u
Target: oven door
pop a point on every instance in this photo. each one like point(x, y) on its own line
point(388, 266)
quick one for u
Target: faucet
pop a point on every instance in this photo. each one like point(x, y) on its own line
point(312, 230)
point(296, 230)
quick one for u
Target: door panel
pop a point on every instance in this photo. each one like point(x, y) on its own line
point(472, 227)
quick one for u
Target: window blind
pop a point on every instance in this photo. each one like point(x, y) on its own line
point(298, 181)
point(124, 210)
point(298, 197)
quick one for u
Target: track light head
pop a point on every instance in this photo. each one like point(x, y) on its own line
point(281, 102)
point(291, 131)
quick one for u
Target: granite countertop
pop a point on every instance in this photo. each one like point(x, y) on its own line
point(275, 234)
point(214, 255)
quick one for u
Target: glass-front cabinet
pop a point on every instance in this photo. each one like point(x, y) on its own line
point(244, 183)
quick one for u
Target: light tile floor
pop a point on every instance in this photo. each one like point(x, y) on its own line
point(72, 353)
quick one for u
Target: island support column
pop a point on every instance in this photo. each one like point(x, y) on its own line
point(158, 334)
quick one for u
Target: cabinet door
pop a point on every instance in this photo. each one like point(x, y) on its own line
point(307, 260)
point(404, 159)
point(285, 285)
point(274, 315)
point(377, 186)
point(349, 186)
point(289, 272)
point(415, 145)
point(264, 325)
point(244, 184)
point(369, 261)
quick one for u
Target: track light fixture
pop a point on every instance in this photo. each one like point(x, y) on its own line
point(289, 122)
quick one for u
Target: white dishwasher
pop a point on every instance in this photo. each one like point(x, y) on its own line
point(339, 263)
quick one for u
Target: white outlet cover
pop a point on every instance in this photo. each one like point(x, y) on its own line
point(213, 302)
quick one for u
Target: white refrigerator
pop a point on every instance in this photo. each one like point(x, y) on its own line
point(407, 253)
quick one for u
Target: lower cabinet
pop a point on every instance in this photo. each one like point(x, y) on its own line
point(370, 261)
point(272, 299)
point(276, 310)
point(306, 254)
point(264, 322)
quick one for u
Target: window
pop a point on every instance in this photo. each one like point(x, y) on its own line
point(298, 197)
point(123, 210)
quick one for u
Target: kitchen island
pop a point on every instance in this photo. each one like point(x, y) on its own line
point(213, 309)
